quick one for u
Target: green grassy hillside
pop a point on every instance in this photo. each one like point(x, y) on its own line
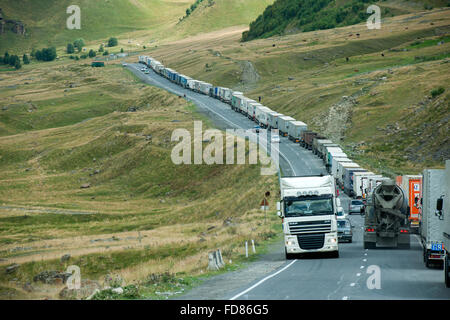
point(45, 20)
point(307, 15)
point(392, 123)
point(141, 21)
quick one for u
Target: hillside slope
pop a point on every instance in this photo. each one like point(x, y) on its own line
point(290, 16)
point(141, 21)
point(379, 105)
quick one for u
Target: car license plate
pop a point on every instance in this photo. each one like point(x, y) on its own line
point(436, 247)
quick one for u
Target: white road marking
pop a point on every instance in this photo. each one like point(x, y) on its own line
point(262, 281)
point(364, 260)
point(345, 298)
point(362, 267)
point(352, 284)
point(358, 274)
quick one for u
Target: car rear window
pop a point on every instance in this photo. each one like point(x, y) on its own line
point(358, 202)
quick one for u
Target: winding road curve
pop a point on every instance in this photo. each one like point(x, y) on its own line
point(403, 274)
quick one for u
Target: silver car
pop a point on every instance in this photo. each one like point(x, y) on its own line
point(356, 206)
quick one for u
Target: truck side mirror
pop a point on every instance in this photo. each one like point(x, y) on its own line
point(439, 204)
point(338, 202)
point(279, 214)
point(278, 206)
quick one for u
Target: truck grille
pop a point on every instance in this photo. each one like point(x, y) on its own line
point(310, 227)
point(311, 241)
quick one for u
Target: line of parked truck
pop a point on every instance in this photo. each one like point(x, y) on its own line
point(394, 209)
point(349, 176)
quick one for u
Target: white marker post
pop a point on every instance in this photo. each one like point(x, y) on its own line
point(246, 249)
point(253, 246)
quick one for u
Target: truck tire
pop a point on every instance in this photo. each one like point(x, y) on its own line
point(427, 261)
point(446, 271)
point(369, 245)
point(289, 256)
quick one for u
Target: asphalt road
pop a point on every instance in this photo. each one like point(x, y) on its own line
point(402, 273)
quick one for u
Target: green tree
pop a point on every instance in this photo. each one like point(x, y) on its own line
point(6, 58)
point(121, 50)
point(79, 44)
point(92, 53)
point(25, 59)
point(112, 42)
point(101, 49)
point(70, 48)
point(17, 65)
point(106, 53)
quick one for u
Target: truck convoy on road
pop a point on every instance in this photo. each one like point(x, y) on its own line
point(386, 222)
point(308, 208)
point(391, 211)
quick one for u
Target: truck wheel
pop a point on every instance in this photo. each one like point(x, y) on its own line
point(335, 254)
point(427, 261)
point(289, 256)
point(446, 271)
point(369, 245)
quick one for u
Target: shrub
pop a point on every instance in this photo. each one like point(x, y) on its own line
point(70, 48)
point(46, 54)
point(437, 92)
point(79, 44)
point(25, 59)
point(92, 53)
point(112, 42)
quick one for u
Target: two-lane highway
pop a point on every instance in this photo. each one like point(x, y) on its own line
point(357, 274)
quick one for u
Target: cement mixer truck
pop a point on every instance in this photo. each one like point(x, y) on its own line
point(386, 219)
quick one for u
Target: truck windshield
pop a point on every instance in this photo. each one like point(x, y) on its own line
point(310, 206)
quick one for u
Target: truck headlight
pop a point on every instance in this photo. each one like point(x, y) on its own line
point(332, 240)
point(290, 243)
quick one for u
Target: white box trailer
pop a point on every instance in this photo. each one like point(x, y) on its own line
point(192, 84)
point(431, 230)
point(283, 124)
point(322, 149)
point(273, 119)
point(358, 187)
point(446, 224)
point(159, 68)
point(341, 170)
point(375, 182)
point(365, 183)
point(335, 164)
point(236, 100)
point(295, 130)
point(317, 143)
point(205, 88)
point(251, 109)
point(245, 105)
point(261, 115)
point(225, 94)
point(329, 152)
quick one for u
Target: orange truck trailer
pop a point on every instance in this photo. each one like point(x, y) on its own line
point(412, 185)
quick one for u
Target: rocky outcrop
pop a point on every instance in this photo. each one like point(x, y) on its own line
point(15, 26)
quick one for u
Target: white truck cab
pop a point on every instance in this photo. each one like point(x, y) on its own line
point(308, 209)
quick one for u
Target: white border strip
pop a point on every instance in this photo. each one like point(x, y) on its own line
point(261, 281)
